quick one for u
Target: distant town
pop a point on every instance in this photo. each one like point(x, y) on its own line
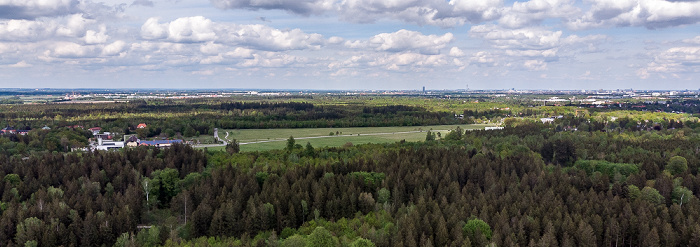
point(34, 96)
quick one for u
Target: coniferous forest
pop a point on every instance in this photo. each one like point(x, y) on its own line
point(529, 184)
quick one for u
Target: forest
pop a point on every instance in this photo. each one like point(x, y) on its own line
point(578, 181)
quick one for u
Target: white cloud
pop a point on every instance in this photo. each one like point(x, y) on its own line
point(684, 59)
point(20, 64)
point(191, 29)
point(200, 29)
point(71, 50)
point(533, 46)
point(477, 11)
point(525, 38)
point(96, 37)
point(523, 14)
point(151, 29)
point(211, 48)
point(695, 41)
point(240, 53)
point(403, 61)
point(271, 59)
point(335, 40)
point(114, 48)
point(536, 65)
point(651, 14)
point(456, 52)
point(484, 58)
point(25, 30)
point(407, 61)
point(203, 72)
point(263, 37)
point(405, 40)
point(75, 26)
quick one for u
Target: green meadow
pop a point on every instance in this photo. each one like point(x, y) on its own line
point(269, 139)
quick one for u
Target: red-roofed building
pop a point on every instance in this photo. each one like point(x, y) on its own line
point(8, 130)
point(95, 130)
point(141, 126)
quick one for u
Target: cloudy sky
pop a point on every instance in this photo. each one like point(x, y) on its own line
point(350, 44)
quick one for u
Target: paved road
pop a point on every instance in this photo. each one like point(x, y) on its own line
point(225, 140)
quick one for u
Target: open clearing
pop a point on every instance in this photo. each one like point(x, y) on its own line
point(268, 139)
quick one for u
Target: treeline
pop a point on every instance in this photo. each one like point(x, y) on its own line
point(166, 118)
point(37, 141)
point(83, 198)
point(521, 186)
point(672, 105)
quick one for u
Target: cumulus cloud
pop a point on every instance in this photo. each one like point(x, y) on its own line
point(534, 45)
point(533, 38)
point(71, 50)
point(681, 59)
point(151, 29)
point(402, 61)
point(651, 14)
point(525, 38)
point(96, 37)
point(536, 65)
point(35, 30)
point(271, 39)
point(476, 11)
point(530, 13)
point(271, 59)
point(75, 26)
point(26, 30)
point(456, 52)
point(186, 30)
point(199, 29)
point(191, 29)
point(408, 60)
point(405, 40)
point(484, 58)
point(115, 48)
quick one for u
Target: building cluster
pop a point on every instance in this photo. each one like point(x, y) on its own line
point(104, 140)
point(10, 130)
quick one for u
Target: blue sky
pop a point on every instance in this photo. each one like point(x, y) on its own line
point(350, 44)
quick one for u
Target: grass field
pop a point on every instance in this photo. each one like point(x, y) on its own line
point(268, 139)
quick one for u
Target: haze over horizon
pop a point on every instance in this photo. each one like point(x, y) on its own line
point(350, 44)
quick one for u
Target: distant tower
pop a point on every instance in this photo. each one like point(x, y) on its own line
point(423, 89)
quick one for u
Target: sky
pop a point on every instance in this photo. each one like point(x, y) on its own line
point(351, 44)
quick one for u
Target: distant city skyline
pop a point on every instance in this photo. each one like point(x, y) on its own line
point(351, 44)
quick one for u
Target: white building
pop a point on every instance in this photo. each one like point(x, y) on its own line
point(547, 120)
point(107, 145)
